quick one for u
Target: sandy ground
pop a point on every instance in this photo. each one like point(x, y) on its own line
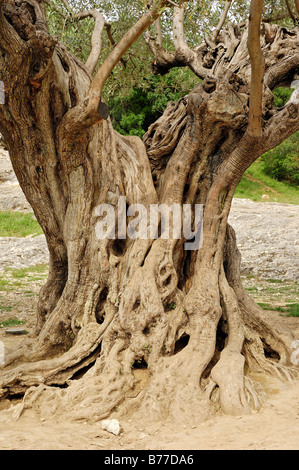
point(274, 427)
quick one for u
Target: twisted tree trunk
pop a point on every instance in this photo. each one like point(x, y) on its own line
point(113, 306)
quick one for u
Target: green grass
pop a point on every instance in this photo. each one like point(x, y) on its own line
point(254, 184)
point(5, 308)
point(12, 279)
point(16, 224)
point(31, 271)
point(11, 322)
point(291, 310)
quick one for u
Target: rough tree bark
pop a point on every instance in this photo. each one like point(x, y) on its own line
point(113, 307)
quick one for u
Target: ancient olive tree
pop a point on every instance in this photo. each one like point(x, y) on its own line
point(112, 304)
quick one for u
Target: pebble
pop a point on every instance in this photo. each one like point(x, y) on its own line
point(111, 425)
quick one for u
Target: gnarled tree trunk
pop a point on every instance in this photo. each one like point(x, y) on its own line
point(112, 306)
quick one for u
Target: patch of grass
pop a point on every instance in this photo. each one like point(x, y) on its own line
point(280, 289)
point(11, 322)
point(266, 306)
point(252, 289)
point(4, 283)
point(271, 292)
point(16, 224)
point(5, 308)
point(23, 278)
point(292, 310)
point(255, 183)
point(18, 273)
point(30, 272)
point(170, 306)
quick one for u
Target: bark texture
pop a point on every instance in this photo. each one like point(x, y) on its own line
point(113, 310)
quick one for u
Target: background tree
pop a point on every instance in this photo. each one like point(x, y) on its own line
point(110, 306)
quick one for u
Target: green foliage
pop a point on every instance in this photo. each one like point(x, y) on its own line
point(290, 310)
point(282, 96)
point(171, 306)
point(282, 162)
point(133, 113)
point(255, 184)
point(277, 167)
point(11, 322)
point(135, 97)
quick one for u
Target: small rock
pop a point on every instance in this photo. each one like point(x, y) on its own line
point(16, 331)
point(111, 425)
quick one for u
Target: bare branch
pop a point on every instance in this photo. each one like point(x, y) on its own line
point(55, 8)
point(96, 39)
point(67, 6)
point(121, 48)
point(272, 19)
point(282, 72)
point(158, 32)
point(178, 29)
point(112, 41)
point(291, 12)
point(281, 126)
point(90, 111)
point(221, 21)
point(183, 54)
point(172, 3)
point(257, 68)
point(297, 6)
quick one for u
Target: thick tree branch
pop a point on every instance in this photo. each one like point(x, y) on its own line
point(257, 68)
point(89, 112)
point(282, 72)
point(10, 41)
point(281, 126)
point(178, 28)
point(118, 52)
point(291, 12)
point(221, 21)
point(67, 6)
point(158, 32)
point(184, 54)
point(112, 41)
point(96, 39)
point(55, 8)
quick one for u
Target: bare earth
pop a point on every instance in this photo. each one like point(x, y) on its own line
point(274, 427)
